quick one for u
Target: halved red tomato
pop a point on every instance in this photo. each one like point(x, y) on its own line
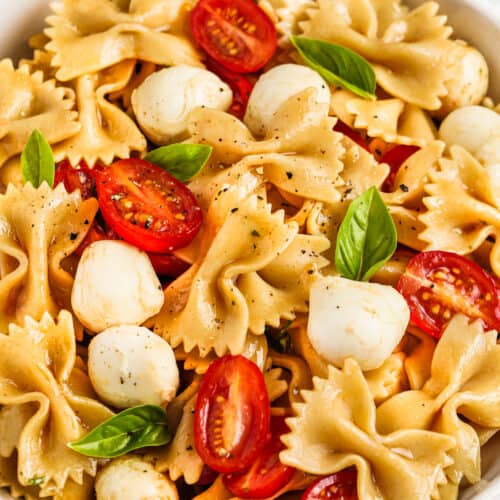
point(339, 486)
point(395, 157)
point(439, 284)
point(267, 475)
point(241, 87)
point(232, 414)
point(236, 33)
point(343, 128)
point(167, 264)
point(146, 206)
point(73, 178)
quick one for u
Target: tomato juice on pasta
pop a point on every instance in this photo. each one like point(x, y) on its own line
point(248, 250)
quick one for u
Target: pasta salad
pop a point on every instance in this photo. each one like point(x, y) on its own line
point(248, 250)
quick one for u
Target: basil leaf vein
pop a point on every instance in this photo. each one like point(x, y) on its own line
point(130, 430)
point(37, 160)
point(338, 65)
point(182, 161)
point(367, 237)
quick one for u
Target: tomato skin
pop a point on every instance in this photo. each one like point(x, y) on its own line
point(241, 87)
point(146, 206)
point(438, 284)
point(339, 486)
point(253, 483)
point(232, 414)
point(167, 264)
point(343, 128)
point(236, 33)
point(395, 157)
point(73, 178)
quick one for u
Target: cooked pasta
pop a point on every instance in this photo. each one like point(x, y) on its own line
point(328, 261)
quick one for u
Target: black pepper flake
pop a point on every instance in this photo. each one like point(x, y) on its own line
point(233, 210)
point(73, 236)
point(255, 233)
point(289, 175)
point(403, 188)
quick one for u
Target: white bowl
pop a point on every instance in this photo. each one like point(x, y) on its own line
point(477, 21)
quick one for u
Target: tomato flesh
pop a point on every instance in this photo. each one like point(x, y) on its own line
point(395, 157)
point(146, 206)
point(73, 178)
point(339, 486)
point(267, 475)
point(437, 285)
point(241, 87)
point(232, 414)
point(236, 33)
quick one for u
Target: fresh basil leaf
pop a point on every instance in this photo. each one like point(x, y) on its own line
point(367, 237)
point(37, 160)
point(130, 430)
point(182, 161)
point(36, 481)
point(338, 65)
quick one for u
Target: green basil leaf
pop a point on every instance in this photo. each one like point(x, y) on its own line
point(182, 161)
point(367, 237)
point(338, 65)
point(36, 481)
point(130, 430)
point(37, 160)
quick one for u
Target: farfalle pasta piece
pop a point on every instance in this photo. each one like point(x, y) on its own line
point(463, 210)
point(408, 50)
point(208, 307)
point(388, 379)
point(37, 393)
point(391, 120)
point(107, 131)
point(300, 155)
point(335, 428)
point(463, 384)
point(91, 36)
point(28, 102)
point(38, 229)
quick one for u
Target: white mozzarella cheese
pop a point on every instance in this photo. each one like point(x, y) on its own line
point(469, 82)
point(129, 365)
point(470, 127)
point(162, 103)
point(364, 321)
point(115, 283)
point(275, 87)
point(131, 478)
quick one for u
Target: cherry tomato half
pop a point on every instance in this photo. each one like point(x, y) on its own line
point(343, 128)
point(167, 264)
point(146, 206)
point(236, 33)
point(267, 475)
point(241, 87)
point(439, 284)
point(73, 178)
point(395, 157)
point(232, 414)
point(338, 486)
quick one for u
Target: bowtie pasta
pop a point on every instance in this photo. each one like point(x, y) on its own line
point(304, 300)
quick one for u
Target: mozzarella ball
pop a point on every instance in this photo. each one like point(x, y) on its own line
point(275, 87)
point(129, 365)
point(489, 152)
point(131, 478)
point(115, 283)
point(351, 319)
point(469, 83)
point(162, 103)
point(470, 127)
